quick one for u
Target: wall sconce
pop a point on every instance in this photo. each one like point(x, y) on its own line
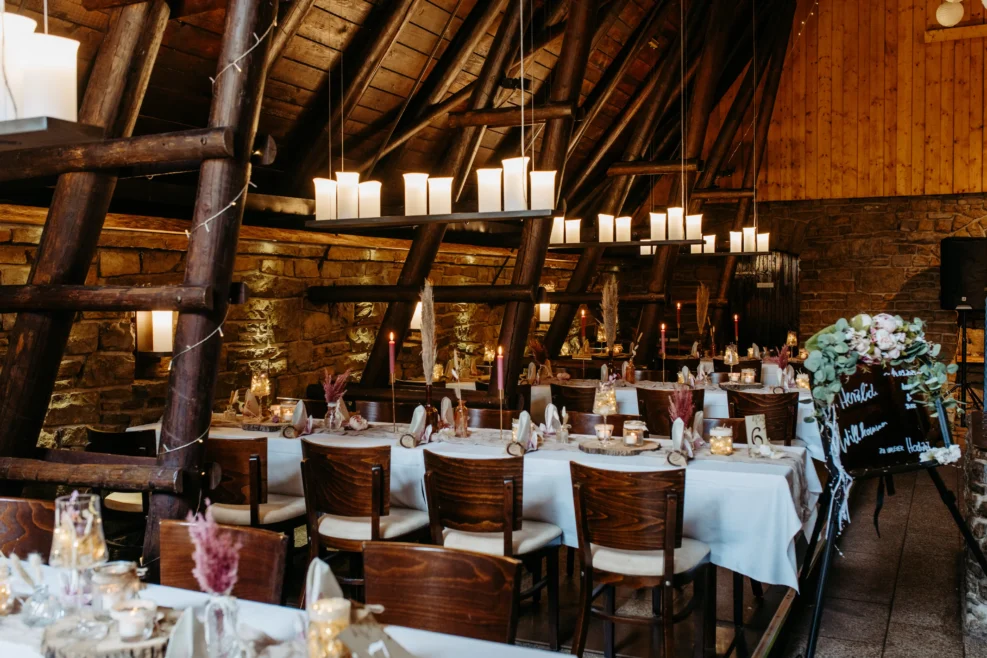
point(155, 332)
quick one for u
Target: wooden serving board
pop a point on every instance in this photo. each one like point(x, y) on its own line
point(737, 386)
point(57, 643)
point(617, 448)
point(264, 426)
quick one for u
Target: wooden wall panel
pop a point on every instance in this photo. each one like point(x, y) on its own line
point(866, 108)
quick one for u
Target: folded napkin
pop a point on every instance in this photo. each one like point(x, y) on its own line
point(527, 434)
point(757, 351)
point(788, 377)
point(686, 373)
point(251, 406)
point(418, 433)
point(320, 583)
point(697, 426)
point(679, 444)
point(553, 424)
point(604, 373)
point(532, 372)
point(188, 638)
point(446, 413)
point(695, 348)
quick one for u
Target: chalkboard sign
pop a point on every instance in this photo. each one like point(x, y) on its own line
point(880, 425)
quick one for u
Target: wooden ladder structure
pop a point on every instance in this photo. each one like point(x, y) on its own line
point(86, 183)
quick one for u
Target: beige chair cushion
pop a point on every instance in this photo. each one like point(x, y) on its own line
point(649, 563)
point(278, 508)
point(131, 502)
point(399, 522)
point(532, 536)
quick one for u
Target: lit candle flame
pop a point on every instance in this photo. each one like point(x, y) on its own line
point(500, 351)
point(392, 336)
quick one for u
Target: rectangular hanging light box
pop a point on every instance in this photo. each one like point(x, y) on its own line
point(370, 198)
point(325, 198)
point(415, 194)
point(676, 231)
point(750, 239)
point(542, 190)
point(762, 241)
point(623, 229)
point(710, 246)
point(155, 331)
point(647, 251)
point(658, 222)
point(347, 194)
point(50, 80)
point(15, 38)
point(439, 196)
point(572, 230)
point(544, 312)
point(488, 192)
point(606, 227)
point(736, 242)
point(516, 183)
point(558, 230)
point(416, 318)
point(693, 227)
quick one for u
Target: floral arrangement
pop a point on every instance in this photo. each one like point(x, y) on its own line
point(335, 389)
point(836, 351)
point(681, 406)
point(216, 554)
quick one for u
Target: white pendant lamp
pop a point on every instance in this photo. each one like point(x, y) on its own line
point(50, 79)
point(14, 39)
point(949, 13)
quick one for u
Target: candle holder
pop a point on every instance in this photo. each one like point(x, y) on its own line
point(394, 406)
point(721, 441)
point(431, 413)
point(501, 400)
point(604, 404)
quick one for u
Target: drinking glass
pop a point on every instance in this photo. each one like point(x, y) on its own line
point(77, 545)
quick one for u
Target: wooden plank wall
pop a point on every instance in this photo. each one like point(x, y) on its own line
point(866, 108)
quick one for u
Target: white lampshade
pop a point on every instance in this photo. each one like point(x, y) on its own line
point(606, 227)
point(647, 251)
point(623, 229)
point(347, 194)
point(542, 190)
point(763, 242)
point(750, 239)
point(370, 198)
point(415, 194)
point(516, 183)
point(325, 198)
point(693, 227)
point(544, 312)
point(155, 331)
point(50, 79)
point(558, 230)
point(416, 318)
point(488, 192)
point(736, 242)
point(710, 246)
point(439, 196)
point(658, 222)
point(949, 14)
point(572, 230)
point(676, 230)
point(14, 43)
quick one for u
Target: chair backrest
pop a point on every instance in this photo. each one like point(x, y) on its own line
point(244, 470)
point(780, 412)
point(472, 494)
point(380, 412)
point(738, 425)
point(649, 375)
point(443, 590)
point(583, 423)
point(26, 526)
point(491, 418)
point(140, 443)
point(574, 398)
point(654, 404)
point(262, 560)
point(628, 510)
point(346, 481)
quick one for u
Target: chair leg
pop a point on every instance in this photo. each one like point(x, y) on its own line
point(553, 598)
point(668, 622)
point(657, 632)
point(570, 561)
point(757, 589)
point(709, 619)
point(700, 590)
point(610, 607)
point(535, 577)
point(585, 613)
point(740, 634)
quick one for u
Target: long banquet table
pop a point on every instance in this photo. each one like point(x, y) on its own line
point(280, 623)
point(750, 511)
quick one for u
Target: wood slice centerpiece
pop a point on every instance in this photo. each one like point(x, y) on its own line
point(58, 642)
point(617, 448)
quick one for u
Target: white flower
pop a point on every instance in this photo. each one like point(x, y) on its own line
point(884, 340)
point(886, 322)
point(943, 455)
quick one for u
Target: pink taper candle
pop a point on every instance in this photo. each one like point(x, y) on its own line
point(678, 314)
point(390, 353)
point(500, 368)
point(582, 324)
point(736, 328)
point(662, 337)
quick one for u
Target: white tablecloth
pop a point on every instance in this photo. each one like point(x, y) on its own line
point(714, 406)
point(18, 641)
point(750, 512)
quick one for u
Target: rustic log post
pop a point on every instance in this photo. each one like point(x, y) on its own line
point(104, 298)
point(75, 218)
point(237, 96)
point(566, 84)
point(428, 237)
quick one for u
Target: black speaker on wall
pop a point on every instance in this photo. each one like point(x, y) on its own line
point(963, 272)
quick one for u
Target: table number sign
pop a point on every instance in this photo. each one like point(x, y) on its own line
point(757, 432)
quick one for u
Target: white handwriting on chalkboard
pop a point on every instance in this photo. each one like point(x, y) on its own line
point(902, 373)
point(920, 446)
point(858, 432)
point(862, 393)
point(891, 450)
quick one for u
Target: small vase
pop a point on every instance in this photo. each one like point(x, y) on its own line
point(431, 413)
point(220, 622)
point(334, 420)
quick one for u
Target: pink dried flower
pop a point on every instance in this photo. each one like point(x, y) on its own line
point(783, 356)
point(681, 406)
point(335, 389)
point(216, 555)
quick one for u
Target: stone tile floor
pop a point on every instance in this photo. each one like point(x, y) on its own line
point(897, 595)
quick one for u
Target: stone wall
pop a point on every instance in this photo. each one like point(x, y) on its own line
point(104, 383)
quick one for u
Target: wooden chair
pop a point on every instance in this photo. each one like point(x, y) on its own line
point(719, 377)
point(648, 375)
point(141, 443)
point(241, 497)
point(475, 505)
point(491, 418)
point(780, 412)
point(653, 404)
point(630, 534)
point(348, 497)
point(26, 526)
point(582, 423)
point(574, 398)
point(380, 412)
point(465, 593)
point(262, 561)
point(738, 425)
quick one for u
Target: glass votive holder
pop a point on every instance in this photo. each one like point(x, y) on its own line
point(721, 441)
point(634, 432)
point(803, 353)
point(734, 377)
point(515, 424)
point(135, 619)
point(604, 432)
point(747, 376)
point(680, 378)
point(750, 352)
point(802, 381)
point(326, 620)
point(112, 583)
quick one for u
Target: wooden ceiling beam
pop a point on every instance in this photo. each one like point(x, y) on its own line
point(104, 298)
point(179, 8)
point(512, 116)
point(651, 167)
point(723, 194)
point(288, 25)
point(480, 294)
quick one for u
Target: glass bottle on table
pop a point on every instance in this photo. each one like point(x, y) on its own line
point(604, 404)
point(78, 545)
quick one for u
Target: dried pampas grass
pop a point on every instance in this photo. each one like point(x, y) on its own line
point(428, 332)
point(702, 305)
point(609, 308)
